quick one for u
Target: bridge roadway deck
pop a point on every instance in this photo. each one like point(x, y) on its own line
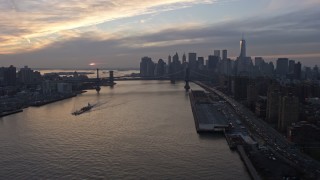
point(139, 79)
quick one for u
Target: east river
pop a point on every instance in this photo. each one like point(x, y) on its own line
point(137, 130)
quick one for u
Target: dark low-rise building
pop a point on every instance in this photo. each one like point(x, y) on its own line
point(304, 134)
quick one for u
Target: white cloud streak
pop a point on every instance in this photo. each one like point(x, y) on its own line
point(36, 20)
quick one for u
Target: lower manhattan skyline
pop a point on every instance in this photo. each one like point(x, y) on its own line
point(117, 34)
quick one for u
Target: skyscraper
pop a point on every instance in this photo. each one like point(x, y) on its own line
point(169, 67)
point(2, 69)
point(288, 112)
point(146, 67)
point(160, 68)
point(297, 70)
point(225, 67)
point(291, 66)
point(212, 62)
point(192, 61)
point(258, 61)
point(243, 48)
point(282, 66)
point(26, 75)
point(216, 53)
point(200, 62)
point(273, 104)
point(244, 63)
point(224, 54)
point(10, 76)
point(176, 63)
point(270, 69)
point(184, 58)
point(169, 60)
point(175, 58)
point(315, 72)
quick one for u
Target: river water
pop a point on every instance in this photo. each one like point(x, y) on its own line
point(137, 130)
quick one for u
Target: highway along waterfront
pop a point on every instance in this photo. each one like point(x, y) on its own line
point(138, 129)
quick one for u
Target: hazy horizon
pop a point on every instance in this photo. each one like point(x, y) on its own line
point(117, 33)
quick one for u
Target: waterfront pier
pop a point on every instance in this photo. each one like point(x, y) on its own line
point(206, 114)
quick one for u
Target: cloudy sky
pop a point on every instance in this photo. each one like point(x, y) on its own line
point(117, 33)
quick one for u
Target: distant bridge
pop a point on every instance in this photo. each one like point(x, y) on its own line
point(171, 76)
point(176, 76)
point(141, 78)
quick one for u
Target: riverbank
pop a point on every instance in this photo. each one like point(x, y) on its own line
point(40, 103)
point(269, 161)
point(207, 120)
point(243, 155)
point(48, 101)
point(7, 113)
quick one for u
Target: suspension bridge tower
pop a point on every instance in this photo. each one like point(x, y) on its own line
point(111, 78)
point(187, 79)
point(98, 82)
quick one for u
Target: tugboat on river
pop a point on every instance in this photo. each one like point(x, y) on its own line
point(83, 110)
